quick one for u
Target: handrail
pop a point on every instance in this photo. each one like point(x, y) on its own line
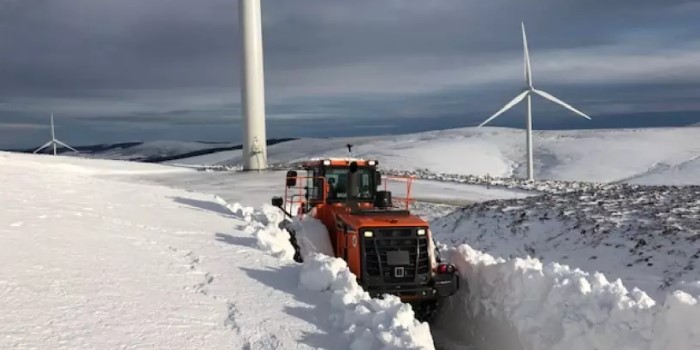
point(409, 186)
point(301, 186)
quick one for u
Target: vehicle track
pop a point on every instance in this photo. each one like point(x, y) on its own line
point(443, 341)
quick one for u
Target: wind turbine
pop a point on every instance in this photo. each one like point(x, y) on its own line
point(54, 142)
point(527, 94)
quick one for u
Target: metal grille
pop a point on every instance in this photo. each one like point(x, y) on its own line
point(387, 240)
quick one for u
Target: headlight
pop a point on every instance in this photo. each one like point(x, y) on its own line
point(326, 162)
point(372, 163)
point(369, 234)
point(421, 232)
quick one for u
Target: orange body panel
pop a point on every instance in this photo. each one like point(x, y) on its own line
point(338, 220)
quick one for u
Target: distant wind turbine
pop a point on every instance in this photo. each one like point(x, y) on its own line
point(54, 142)
point(527, 94)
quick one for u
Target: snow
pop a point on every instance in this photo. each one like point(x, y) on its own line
point(646, 236)
point(664, 174)
point(458, 194)
point(103, 262)
point(312, 236)
point(93, 259)
point(111, 254)
point(369, 323)
point(580, 155)
point(154, 149)
point(525, 304)
point(207, 159)
point(366, 323)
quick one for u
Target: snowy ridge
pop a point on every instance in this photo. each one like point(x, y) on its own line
point(542, 186)
point(523, 304)
point(581, 155)
point(155, 149)
point(647, 236)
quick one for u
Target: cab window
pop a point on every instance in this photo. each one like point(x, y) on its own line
point(338, 180)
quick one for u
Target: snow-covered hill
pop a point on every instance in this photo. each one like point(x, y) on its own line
point(634, 155)
point(156, 150)
point(151, 151)
point(113, 254)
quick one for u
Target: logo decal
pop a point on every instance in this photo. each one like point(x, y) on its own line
point(354, 241)
point(399, 272)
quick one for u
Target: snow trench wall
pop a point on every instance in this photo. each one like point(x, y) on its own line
point(521, 304)
point(517, 304)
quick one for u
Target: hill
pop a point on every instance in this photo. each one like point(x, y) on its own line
point(642, 156)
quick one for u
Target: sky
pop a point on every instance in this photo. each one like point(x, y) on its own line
point(133, 70)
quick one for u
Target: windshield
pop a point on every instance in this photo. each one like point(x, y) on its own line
point(338, 180)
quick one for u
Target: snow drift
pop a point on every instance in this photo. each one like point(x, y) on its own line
point(369, 323)
point(524, 304)
point(386, 324)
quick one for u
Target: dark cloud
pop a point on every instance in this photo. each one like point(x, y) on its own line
point(112, 69)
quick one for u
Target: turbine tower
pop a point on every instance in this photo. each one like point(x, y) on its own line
point(54, 142)
point(253, 86)
point(527, 94)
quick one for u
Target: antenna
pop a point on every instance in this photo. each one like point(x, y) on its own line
point(527, 94)
point(54, 142)
point(349, 146)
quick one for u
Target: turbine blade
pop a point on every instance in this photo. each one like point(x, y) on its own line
point(560, 102)
point(508, 106)
point(528, 66)
point(53, 131)
point(66, 146)
point(43, 147)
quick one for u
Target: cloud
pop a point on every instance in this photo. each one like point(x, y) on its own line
point(22, 126)
point(176, 62)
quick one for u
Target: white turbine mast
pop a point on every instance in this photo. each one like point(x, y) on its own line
point(527, 94)
point(253, 86)
point(54, 141)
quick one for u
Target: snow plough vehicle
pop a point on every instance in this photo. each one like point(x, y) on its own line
point(390, 250)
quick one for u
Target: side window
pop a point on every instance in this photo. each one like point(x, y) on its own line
point(364, 186)
point(313, 184)
point(310, 188)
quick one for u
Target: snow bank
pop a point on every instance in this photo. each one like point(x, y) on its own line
point(369, 323)
point(523, 304)
point(264, 225)
point(385, 324)
point(646, 236)
point(312, 236)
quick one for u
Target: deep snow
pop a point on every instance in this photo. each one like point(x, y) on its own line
point(647, 236)
point(525, 304)
point(92, 260)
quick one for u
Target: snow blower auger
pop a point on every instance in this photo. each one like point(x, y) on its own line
point(390, 250)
